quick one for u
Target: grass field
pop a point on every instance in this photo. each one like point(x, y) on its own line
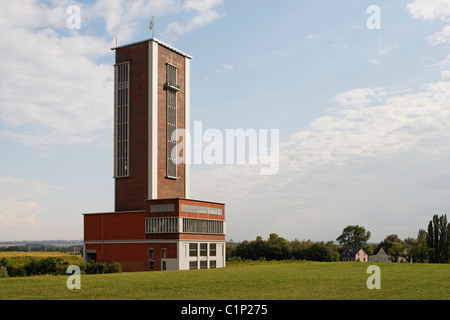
point(245, 281)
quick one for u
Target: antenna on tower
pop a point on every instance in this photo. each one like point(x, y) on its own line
point(151, 26)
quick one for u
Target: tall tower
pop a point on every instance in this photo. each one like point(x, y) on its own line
point(155, 226)
point(151, 102)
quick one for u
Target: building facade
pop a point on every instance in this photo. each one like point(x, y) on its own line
point(354, 254)
point(155, 226)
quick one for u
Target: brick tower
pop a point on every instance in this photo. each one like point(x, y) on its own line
point(155, 226)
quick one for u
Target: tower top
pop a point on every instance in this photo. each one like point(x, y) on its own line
point(158, 42)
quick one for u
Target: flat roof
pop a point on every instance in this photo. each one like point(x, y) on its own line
point(150, 200)
point(160, 43)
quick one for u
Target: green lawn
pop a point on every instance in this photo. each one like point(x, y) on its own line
point(248, 281)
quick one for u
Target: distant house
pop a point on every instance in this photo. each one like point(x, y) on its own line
point(354, 254)
point(381, 255)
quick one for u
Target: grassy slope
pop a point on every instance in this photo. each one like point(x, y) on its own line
point(286, 281)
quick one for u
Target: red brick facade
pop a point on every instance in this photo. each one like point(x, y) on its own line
point(131, 192)
point(122, 236)
point(154, 226)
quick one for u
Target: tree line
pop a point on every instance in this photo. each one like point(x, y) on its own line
point(75, 249)
point(32, 266)
point(431, 245)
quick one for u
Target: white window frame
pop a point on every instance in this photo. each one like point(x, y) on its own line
point(171, 123)
point(122, 120)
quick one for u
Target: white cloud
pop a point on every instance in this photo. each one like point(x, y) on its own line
point(311, 36)
point(339, 46)
point(429, 9)
point(445, 74)
point(440, 37)
point(383, 165)
point(19, 212)
point(224, 67)
point(205, 12)
point(385, 50)
point(54, 89)
point(124, 17)
point(359, 97)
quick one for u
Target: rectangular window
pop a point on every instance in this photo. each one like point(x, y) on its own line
point(203, 264)
point(162, 207)
point(192, 249)
point(201, 209)
point(192, 264)
point(161, 225)
point(212, 263)
point(121, 119)
point(151, 253)
point(171, 87)
point(152, 265)
point(202, 226)
point(164, 253)
point(212, 249)
point(203, 249)
point(164, 265)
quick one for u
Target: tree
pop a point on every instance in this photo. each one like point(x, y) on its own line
point(354, 236)
point(438, 239)
point(396, 251)
point(278, 248)
point(391, 239)
point(418, 252)
point(321, 252)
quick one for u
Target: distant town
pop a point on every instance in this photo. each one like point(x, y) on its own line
point(40, 243)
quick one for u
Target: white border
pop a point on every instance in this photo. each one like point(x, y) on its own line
point(153, 120)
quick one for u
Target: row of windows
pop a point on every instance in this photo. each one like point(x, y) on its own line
point(161, 225)
point(171, 87)
point(201, 209)
point(194, 252)
point(163, 253)
point(203, 264)
point(168, 207)
point(122, 99)
point(202, 226)
point(170, 225)
point(122, 90)
point(192, 264)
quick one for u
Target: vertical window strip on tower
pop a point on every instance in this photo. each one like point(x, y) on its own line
point(121, 130)
point(171, 88)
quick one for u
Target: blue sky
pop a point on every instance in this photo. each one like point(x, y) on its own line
point(362, 113)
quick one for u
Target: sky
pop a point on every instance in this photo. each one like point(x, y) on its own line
point(359, 97)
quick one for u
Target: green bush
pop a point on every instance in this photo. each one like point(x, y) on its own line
point(3, 272)
point(50, 265)
point(114, 267)
point(95, 267)
point(15, 267)
point(32, 266)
